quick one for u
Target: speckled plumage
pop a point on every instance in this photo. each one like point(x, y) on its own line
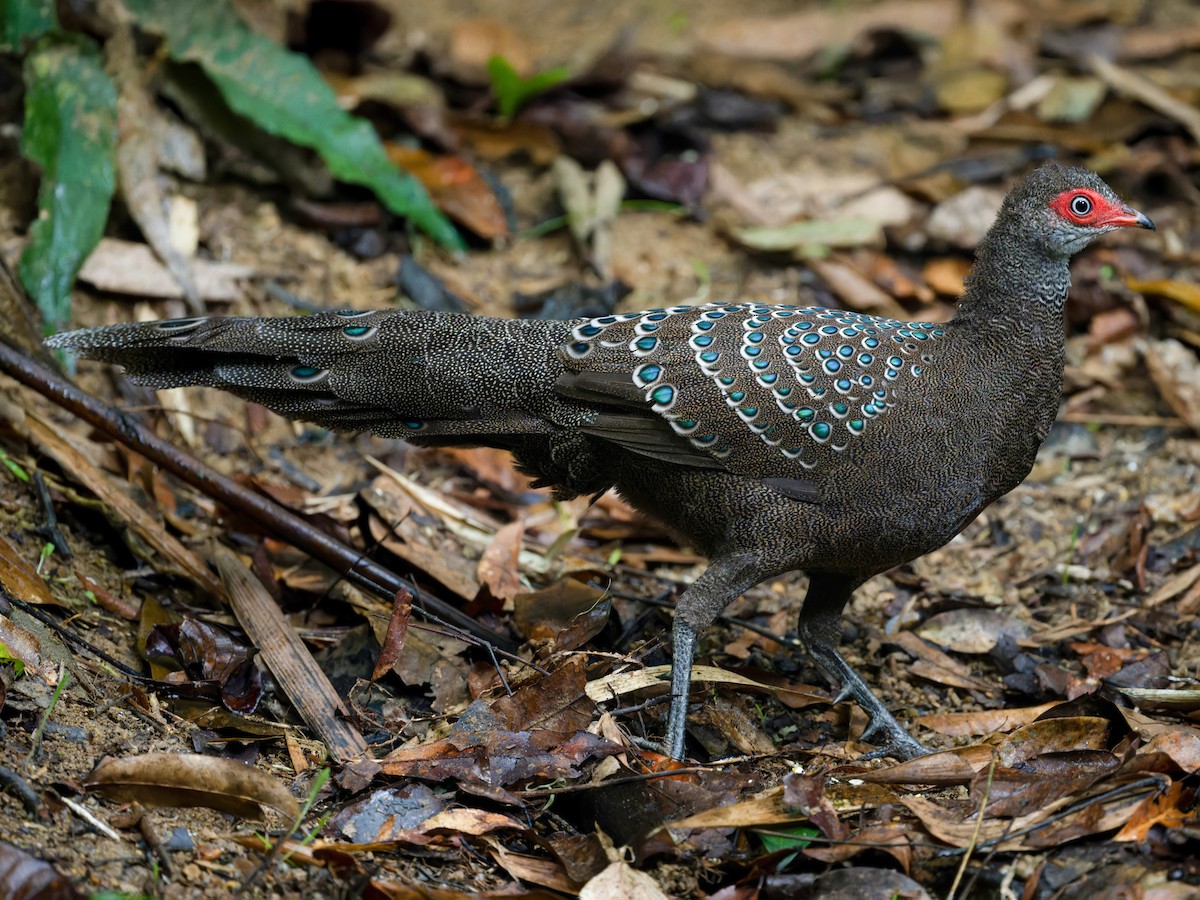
point(772, 438)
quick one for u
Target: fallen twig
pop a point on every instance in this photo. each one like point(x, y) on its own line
point(277, 520)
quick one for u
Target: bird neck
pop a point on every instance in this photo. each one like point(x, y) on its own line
point(1010, 324)
point(1016, 287)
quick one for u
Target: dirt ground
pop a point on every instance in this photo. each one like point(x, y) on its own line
point(1078, 588)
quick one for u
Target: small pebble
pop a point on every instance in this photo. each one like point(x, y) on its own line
point(180, 840)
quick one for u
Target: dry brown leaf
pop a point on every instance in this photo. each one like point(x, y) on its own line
point(939, 667)
point(1161, 809)
point(1055, 735)
point(985, 721)
point(886, 273)
point(960, 830)
point(395, 529)
point(611, 686)
point(1181, 744)
point(1138, 87)
point(964, 219)
point(621, 881)
point(295, 670)
point(969, 89)
point(392, 644)
point(133, 270)
point(25, 877)
point(491, 466)
point(857, 291)
point(894, 839)
point(1111, 326)
point(20, 644)
point(493, 140)
point(145, 532)
point(971, 630)
point(1184, 292)
point(804, 33)
point(734, 724)
point(474, 41)
point(457, 187)
point(137, 164)
point(20, 579)
point(534, 869)
point(1071, 99)
point(465, 820)
point(765, 809)
point(1152, 43)
point(958, 766)
point(947, 275)
point(1176, 373)
point(499, 566)
point(567, 612)
point(189, 779)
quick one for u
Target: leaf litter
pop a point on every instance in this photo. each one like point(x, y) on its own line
point(1044, 654)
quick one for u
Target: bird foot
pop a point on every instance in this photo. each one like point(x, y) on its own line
point(899, 745)
point(896, 741)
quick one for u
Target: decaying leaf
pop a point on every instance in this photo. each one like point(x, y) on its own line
point(393, 641)
point(457, 187)
point(621, 881)
point(499, 566)
point(812, 238)
point(1176, 373)
point(971, 630)
point(25, 877)
point(19, 578)
point(802, 33)
point(188, 779)
point(133, 270)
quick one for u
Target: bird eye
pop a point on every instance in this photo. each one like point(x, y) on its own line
point(1081, 205)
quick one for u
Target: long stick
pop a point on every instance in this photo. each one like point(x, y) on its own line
point(272, 517)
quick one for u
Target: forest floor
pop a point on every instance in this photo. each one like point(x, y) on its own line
point(846, 155)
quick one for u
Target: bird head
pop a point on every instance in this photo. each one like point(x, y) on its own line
point(1064, 208)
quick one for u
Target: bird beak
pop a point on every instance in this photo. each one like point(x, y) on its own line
point(1131, 218)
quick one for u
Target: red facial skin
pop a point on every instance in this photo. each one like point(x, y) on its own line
point(1101, 212)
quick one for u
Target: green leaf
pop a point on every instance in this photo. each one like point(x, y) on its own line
point(283, 94)
point(22, 20)
point(14, 467)
point(796, 837)
point(506, 85)
point(7, 656)
point(71, 132)
point(512, 91)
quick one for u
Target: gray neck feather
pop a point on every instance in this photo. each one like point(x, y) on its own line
point(1014, 283)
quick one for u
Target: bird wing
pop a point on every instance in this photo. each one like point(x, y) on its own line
point(769, 392)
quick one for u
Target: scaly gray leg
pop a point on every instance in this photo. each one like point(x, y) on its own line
point(725, 578)
point(820, 630)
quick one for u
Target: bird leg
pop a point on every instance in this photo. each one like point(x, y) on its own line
point(725, 578)
point(820, 630)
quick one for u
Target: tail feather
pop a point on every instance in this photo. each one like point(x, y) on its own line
point(410, 374)
point(429, 378)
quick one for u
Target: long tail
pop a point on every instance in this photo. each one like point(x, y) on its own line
point(432, 377)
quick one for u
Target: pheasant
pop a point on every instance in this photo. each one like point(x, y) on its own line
point(773, 438)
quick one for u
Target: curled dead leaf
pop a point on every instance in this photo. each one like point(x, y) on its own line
point(190, 779)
